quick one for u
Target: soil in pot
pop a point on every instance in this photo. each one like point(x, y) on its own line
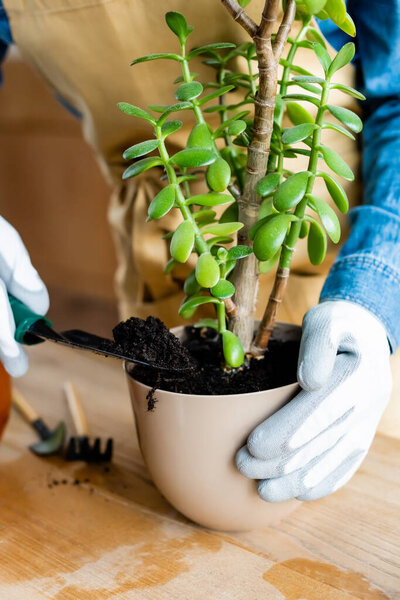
point(202, 350)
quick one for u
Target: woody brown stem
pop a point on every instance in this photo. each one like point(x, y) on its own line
point(269, 318)
point(240, 15)
point(268, 55)
point(230, 308)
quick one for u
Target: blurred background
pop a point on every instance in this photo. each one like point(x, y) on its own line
point(52, 191)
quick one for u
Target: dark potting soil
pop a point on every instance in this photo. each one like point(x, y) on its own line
point(276, 368)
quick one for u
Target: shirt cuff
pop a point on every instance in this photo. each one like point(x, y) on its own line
point(371, 283)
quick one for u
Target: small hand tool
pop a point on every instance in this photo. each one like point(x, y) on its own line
point(31, 329)
point(79, 447)
point(52, 440)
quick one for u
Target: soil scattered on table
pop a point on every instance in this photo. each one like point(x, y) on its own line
point(275, 369)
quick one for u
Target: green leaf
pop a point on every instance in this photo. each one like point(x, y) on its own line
point(294, 68)
point(336, 10)
point(291, 191)
point(336, 163)
point(219, 175)
point(314, 6)
point(298, 114)
point(303, 98)
point(338, 128)
point(201, 137)
point(204, 216)
point(347, 117)
point(210, 48)
point(313, 35)
point(327, 216)
point(164, 55)
point(170, 266)
point(161, 203)
point(238, 252)
point(211, 323)
point(307, 79)
point(237, 127)
point(298, 133)
point(270, 237)
point(188, 91)
point(178, 24)
point(346, 89)
point(323, 56)
point(210, 199)
point(223, 289)
point(233, 349)
point(348, 26)
point(303, 230)
point(342, 58)
point(268, 184)
point(336, 192)
point(191, 287)
point(219, 239)
point(187, 308)
point(226, 124)
point(265, 266)
point(244, 3)
point(135, 111)
point(266, 208)
point(194, 157)
point(222, 228)
point(170, 127)
point(173, 108)
point(141, 149)
point(182, 242)
point(142, 165)
point(216, 94)
point(207, 270)
point(316, 243)
point(230, 214)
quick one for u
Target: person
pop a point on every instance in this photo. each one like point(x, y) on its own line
point(313, 445)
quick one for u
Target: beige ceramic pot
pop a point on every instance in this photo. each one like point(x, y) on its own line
point(189, 444)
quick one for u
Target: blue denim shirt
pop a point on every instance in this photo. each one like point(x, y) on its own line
point(367, 270)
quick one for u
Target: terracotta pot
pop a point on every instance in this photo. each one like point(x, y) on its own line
point(5, 397)
point(189, 444)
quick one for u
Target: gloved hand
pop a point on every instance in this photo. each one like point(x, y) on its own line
point(314, 444)
point(19, 278)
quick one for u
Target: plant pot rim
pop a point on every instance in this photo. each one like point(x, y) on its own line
point(204, 396)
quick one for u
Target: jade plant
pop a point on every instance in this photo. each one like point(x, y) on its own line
point(245, 161)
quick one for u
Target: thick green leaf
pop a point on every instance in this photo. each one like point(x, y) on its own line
point(295, 68)
point(339, 129)
point(298, 114)
point(204, 216)
point(238, 252)
point(210, 48)
point(170, 127)
point(223, 289)
point(336, 10)
point(230, 214)
point(219, 239)
point(233, 349)
point(327, 216)
point(164, 55)
point(313, 6)
point(347, 117)
point(141, 149)
point(219, 175)
point(342, 58)
point(336, 192)
point(191, 286)
point(142, 165)
point(210, 199)
point(291, 191)
point(270, 237)
point(201, 137)
point(244, 3)
point(207, 270)
point(336, 163)
point(173, 108)
point(316, 243)
point(226, 124)
point(348, 26)
point(177, 23)
point(216, 94)
point(268, 184)
point(237, 127)
point(222, 228)
point(303, 230)
point(266, 208)
point(182, 242)
point(162, 203)
point(135, 111)
point(211, 323)
point(260, 223)
point(298, 133)
point(194, 157)
point(188, 91)
point(323, 56)
point(303, 98)
point(187, 308)
point(170, 266)
point(313, 35)
point(346, 89)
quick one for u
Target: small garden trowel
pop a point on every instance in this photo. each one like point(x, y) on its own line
point(31, 329)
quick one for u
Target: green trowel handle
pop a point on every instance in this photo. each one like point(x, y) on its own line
point(24, 318)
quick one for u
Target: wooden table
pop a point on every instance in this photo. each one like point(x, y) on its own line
point(77, 532)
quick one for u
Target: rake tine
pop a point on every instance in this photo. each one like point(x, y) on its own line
point(71, 453)
point(107, 456)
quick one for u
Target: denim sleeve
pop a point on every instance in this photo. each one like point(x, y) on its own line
point(367, 270)
point(5, 35)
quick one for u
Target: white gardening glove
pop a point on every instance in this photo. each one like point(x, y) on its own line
point(314, 444)
point(19, 278)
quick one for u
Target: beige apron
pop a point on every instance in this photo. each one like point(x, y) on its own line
point(83, 48)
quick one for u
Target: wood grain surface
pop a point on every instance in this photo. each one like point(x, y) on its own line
point(69, 531)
